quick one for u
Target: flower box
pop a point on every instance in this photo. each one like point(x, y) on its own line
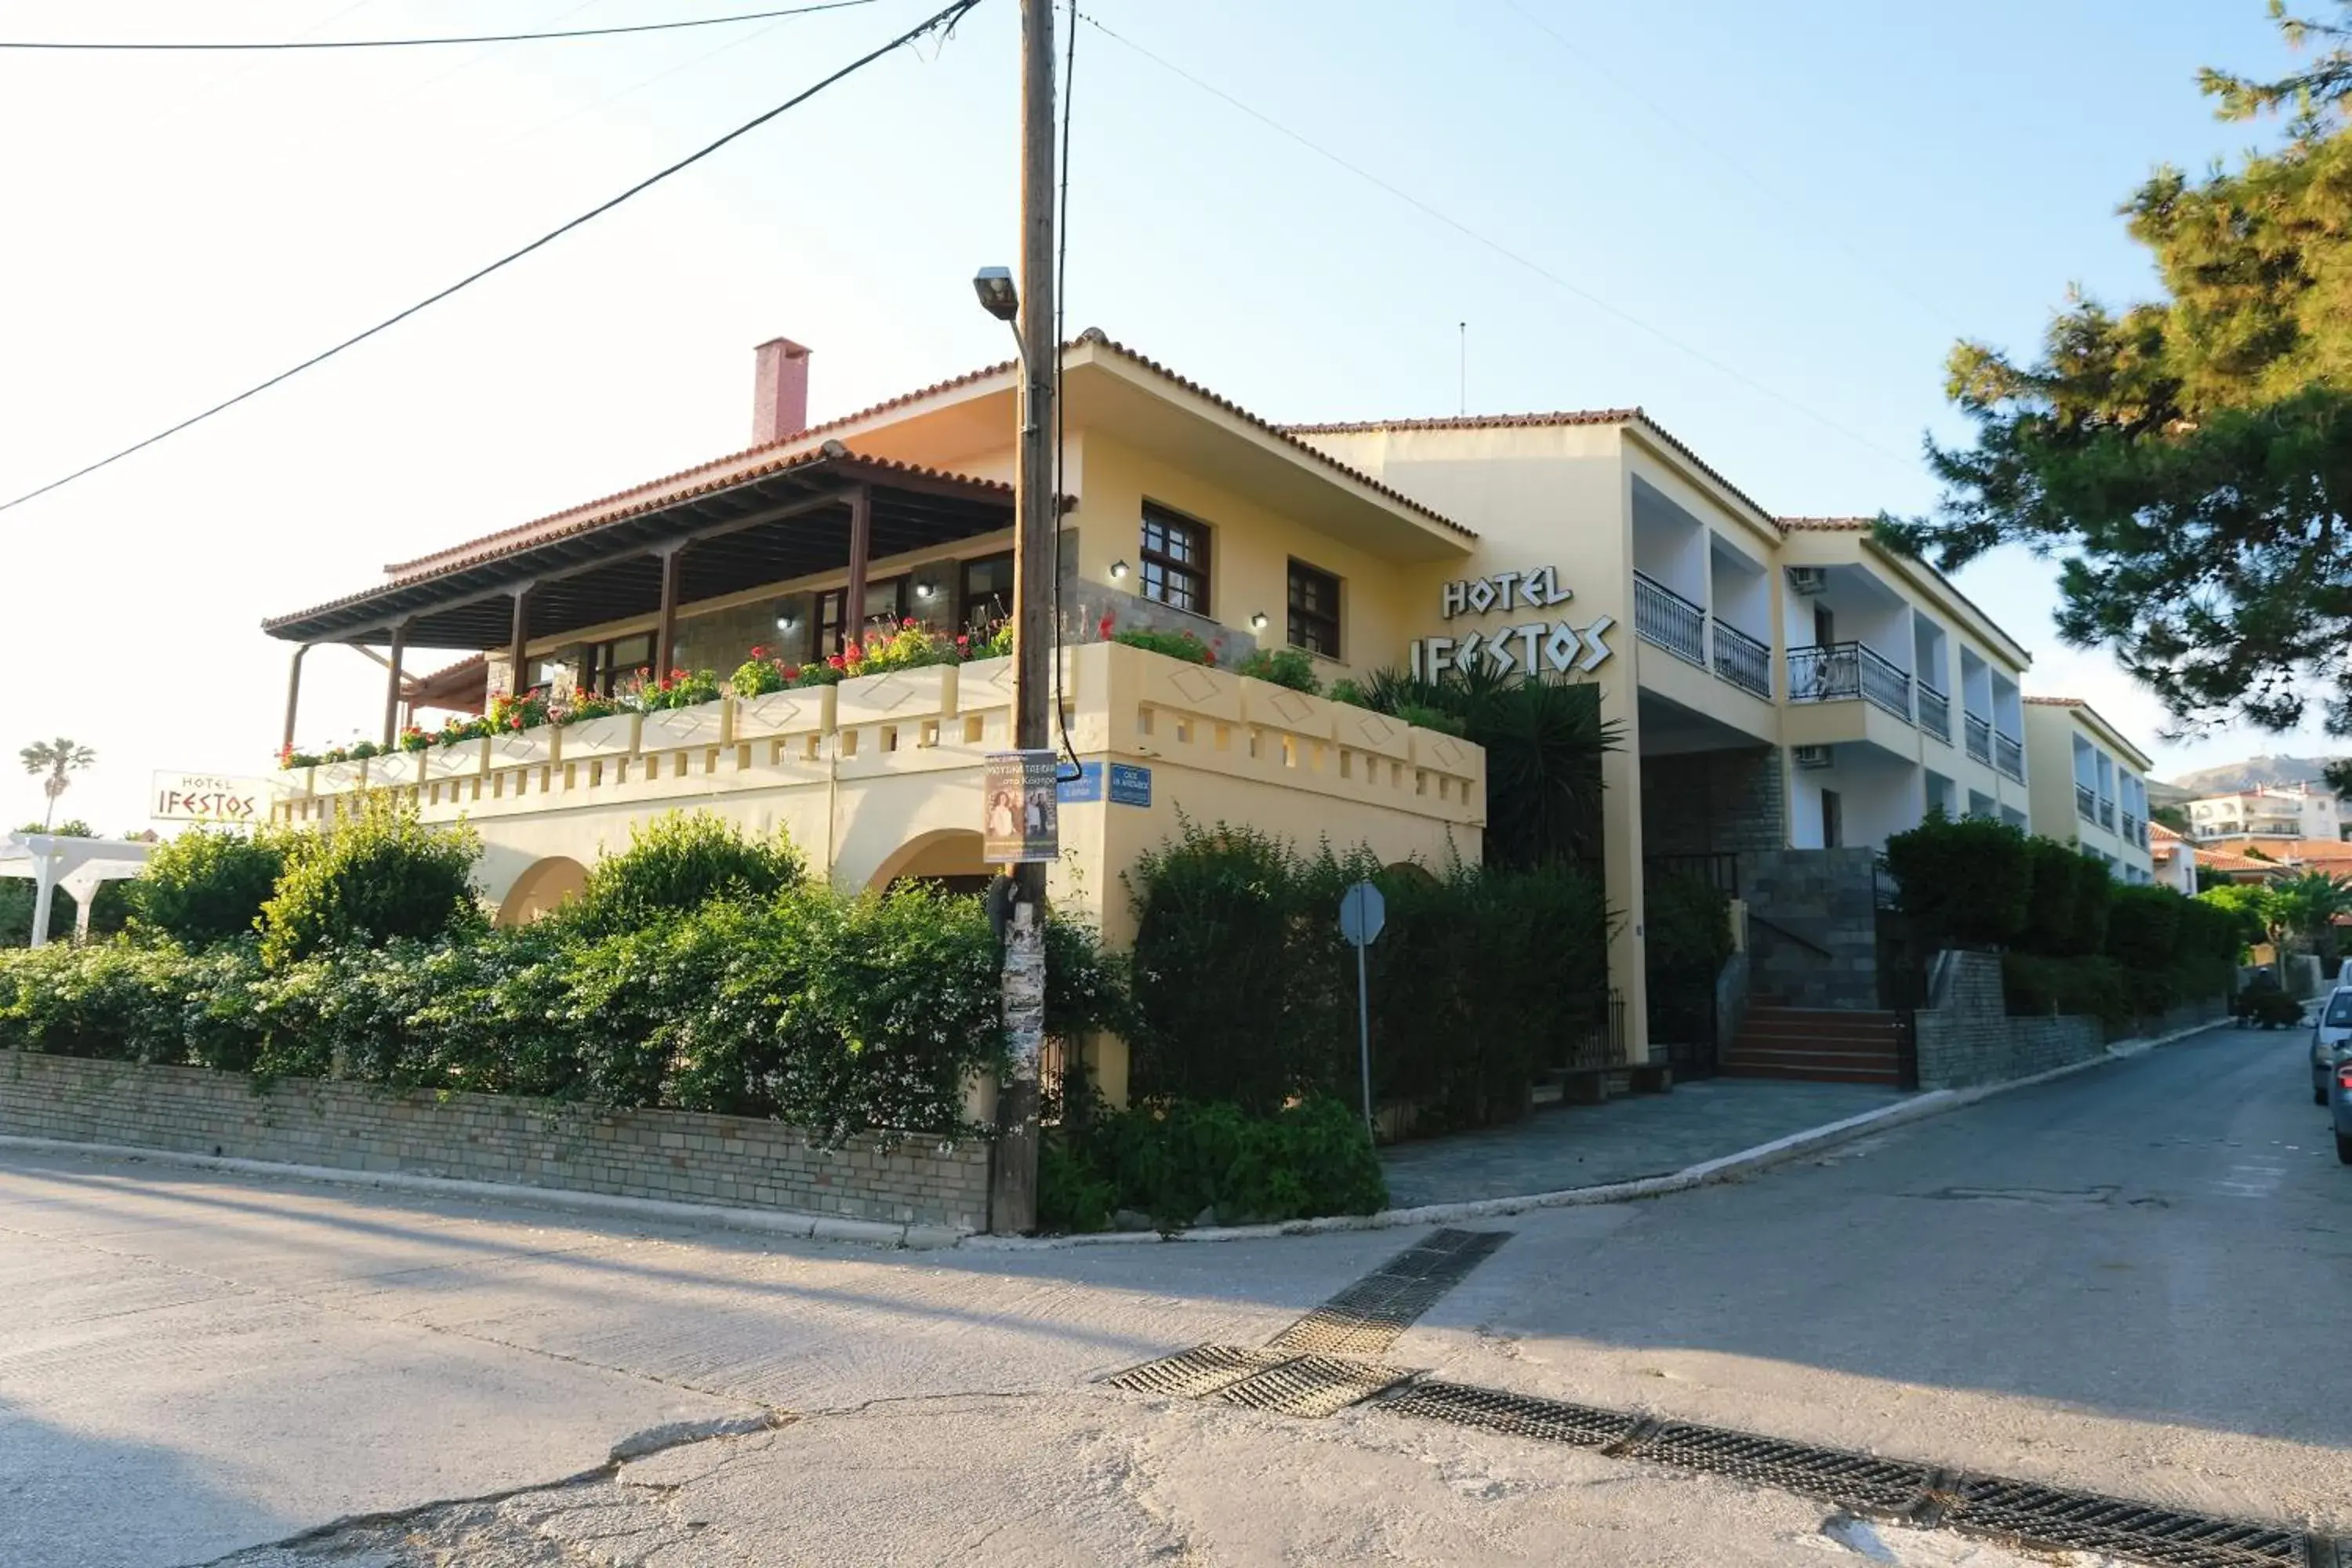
point(927, 692)
point(798, 710)
point(525, 748)
point(340, 778)
point(1382, 734)
point(614, 735)
point(685, 728)
point(984, 684)
point(464, 760)
point(295, 783)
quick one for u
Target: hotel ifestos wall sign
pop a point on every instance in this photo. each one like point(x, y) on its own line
point(1530, 646)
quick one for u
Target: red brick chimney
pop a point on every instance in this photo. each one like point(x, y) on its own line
point(779, 391)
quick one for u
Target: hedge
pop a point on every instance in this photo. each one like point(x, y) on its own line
point(1246, 991)
point(1183, 1162)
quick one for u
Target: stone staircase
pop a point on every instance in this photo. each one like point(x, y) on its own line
point(1823, 1044)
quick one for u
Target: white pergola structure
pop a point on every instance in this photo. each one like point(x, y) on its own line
point(78, 865)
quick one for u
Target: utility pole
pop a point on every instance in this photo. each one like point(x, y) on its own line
point(1012, 1197)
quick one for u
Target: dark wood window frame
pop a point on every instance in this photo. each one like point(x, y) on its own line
point(832, 604)
point(1174, 549)
point(969, 600)
point(600, 669)
point(1314, 626)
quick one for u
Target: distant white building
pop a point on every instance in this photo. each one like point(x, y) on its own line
point(2269, 811)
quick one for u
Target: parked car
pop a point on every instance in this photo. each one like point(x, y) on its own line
point(2331, 1036)
point(2340, 1094)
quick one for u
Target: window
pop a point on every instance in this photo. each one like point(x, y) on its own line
point(1175, 560)
point(885, 601)
point(1824, 625)
point(987, 592)
point(607, 665)
point(1833, 820)
point(2339, 1011)
point(1314, 610)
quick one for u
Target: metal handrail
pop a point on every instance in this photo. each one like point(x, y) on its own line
point(1665, 618)
point(2083, 802)
point(1885, 683)
point(2108, 814)
point(1743, 661)
point(1980, 739)
point(1934, 712)
point(1835, 672)
point(2009, 755)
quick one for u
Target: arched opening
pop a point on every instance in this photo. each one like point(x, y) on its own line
point(948, 859)
point(541, 890)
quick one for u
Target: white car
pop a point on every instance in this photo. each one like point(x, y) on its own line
point(2331, 1040)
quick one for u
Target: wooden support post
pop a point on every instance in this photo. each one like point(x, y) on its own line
point(519, 681)
point(293, 693)
point(392, 684)
point(665, 634)
point(861, 547)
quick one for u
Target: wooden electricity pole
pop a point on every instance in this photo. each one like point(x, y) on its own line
point(1012, 1198)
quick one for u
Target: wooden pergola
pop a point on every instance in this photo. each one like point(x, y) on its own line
point(824, 510)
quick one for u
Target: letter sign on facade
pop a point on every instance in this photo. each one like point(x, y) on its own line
point(210, 797)
point(1532, 648)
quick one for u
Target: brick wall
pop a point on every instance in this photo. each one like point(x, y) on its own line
point(1813, 927)
point(677, 1156)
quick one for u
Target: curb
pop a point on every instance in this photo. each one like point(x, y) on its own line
point(773, 1222)
point(1708, 1172)
point(883, 1233)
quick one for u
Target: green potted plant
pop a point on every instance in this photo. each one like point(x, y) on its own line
point(595, 725)
point(897, 672)
point(771, 698)
point(682, 710)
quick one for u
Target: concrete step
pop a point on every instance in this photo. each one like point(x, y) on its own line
point(1776, 1030)
point(1887, 1075)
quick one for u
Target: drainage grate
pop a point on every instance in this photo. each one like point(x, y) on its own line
point(1312, 1385)
point(1861, 1482)
point(1516, 1414)
point(1366, 1318)
point(2085, 1521)
point(1197, 1373)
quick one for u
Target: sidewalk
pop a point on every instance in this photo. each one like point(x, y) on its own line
point(1559, 1147)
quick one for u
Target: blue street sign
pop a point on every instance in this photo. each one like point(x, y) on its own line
point(1130, 784)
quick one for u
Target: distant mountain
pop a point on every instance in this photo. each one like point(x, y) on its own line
point(2232, 776)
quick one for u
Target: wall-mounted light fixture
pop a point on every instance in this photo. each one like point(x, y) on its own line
point(788, 622)
point(1258, 621)
point(925, 590)
point(1118, 569)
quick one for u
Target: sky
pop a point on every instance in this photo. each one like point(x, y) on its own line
point(1766, 225)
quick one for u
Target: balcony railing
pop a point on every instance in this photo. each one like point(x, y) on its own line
point(1743, 661)
point(1838, 672)
point(2108, 814)
point(1665, 618)
point(2086, 803)
point(2134, 830)
point(1980, 739)
point(1934, 712)
point(2009, 757)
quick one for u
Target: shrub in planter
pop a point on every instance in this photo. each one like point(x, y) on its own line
point(1175, 644)
point(676, 864)
point(1289, 667)
point(208, 885)
point(1179, 1161)
point(678, 689)
point(381, 876)
point(2143, 926)
point(2085, 986)
point(1687, 923)
point(761, 674)
point(1964, 882)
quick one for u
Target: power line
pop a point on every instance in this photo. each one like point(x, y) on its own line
point(1500, 248)
point(942, 22)
point(1835, 236)
point(424, 43)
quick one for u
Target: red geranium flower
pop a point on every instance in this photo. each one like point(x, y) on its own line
point(1102, 629)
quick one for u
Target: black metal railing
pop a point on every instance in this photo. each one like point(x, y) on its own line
point(1719, 870)
point(1665, 618)
point(1980, 739)
point(1742, 661)
point(2084, 802)
point(2009, 757)
point(1934, 712)
point(2134, 830)
point(2108, 814)
point(1837, 672)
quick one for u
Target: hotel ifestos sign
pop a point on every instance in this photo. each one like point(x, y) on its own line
point(1531, 647)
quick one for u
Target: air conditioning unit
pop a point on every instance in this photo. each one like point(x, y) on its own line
point(1813, 756)
point(1807, 581)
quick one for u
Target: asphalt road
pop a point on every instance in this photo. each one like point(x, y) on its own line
point(2122, 1282)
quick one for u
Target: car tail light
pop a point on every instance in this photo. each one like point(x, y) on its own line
point(2344, 1077)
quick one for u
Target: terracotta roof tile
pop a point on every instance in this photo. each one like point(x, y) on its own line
point(648, 498)
point(744, 464)
point(1828, 524)
point(2058, 701)
point(1633, 415)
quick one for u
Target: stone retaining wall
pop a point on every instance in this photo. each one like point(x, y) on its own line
point(670, 1155)
point(1969, 1038)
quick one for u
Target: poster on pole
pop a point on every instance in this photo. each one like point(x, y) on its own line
point(210, 797)
point(1020, 819)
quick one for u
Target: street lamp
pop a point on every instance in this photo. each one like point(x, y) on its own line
point(998, 296)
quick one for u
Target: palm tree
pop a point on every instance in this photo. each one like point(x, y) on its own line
point(58, 758)
point(2307, 906)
